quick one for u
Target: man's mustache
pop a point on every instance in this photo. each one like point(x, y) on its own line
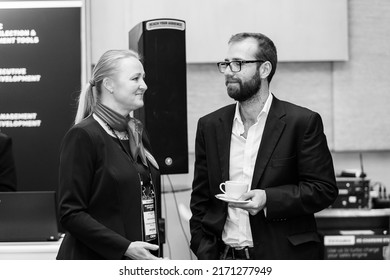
point(231, 80)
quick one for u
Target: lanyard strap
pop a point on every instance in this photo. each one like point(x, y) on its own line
point(148, 198)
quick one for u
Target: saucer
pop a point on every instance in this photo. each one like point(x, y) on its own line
point(226, 198)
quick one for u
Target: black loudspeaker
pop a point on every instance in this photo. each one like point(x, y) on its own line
point(161, 43)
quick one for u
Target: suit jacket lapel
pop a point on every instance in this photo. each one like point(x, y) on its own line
point(273, 129)
point(224, 134)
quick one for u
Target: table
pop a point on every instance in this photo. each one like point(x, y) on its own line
point(29, 250)
point(354, 233)
point(333, 220)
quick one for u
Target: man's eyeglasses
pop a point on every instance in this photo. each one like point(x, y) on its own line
point(235, 65)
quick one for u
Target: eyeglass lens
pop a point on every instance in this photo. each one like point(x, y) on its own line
point(235, 66)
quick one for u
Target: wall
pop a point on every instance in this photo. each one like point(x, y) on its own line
point(351, 96)
point(300, 28)
point(361, 86)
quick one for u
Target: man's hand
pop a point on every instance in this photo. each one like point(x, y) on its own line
point(257, 201)
point(139, 250)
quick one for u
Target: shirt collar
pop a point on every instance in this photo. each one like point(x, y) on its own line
point(266, 108)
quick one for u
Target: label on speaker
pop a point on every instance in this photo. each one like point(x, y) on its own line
point(165, 24)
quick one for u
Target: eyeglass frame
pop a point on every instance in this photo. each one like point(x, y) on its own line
point(241, 62)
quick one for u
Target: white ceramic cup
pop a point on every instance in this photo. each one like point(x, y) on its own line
point(234, 189)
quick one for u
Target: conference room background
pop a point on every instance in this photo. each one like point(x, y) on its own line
point(334, 59)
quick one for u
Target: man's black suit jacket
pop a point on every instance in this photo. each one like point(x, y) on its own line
point(294, 167)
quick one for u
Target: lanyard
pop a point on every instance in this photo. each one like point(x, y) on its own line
point(148, 199)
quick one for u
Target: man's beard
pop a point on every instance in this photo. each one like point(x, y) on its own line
point(240, 91)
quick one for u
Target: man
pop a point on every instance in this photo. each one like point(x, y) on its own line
point(7, 165)
point(276, 147)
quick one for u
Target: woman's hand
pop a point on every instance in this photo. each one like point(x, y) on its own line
point(139, 250)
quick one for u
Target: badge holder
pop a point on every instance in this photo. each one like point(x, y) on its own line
point(149, 213)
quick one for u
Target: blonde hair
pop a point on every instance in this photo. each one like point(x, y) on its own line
point(107, 66)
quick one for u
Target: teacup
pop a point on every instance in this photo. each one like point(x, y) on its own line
point(234, 189)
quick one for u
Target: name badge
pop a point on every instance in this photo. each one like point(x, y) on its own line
point(149, 219)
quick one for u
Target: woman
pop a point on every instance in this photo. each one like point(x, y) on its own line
point(109, 181)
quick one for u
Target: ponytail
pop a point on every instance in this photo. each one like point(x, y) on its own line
point(87, 101)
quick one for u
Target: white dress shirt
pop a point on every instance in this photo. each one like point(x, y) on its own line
point(243, 154)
